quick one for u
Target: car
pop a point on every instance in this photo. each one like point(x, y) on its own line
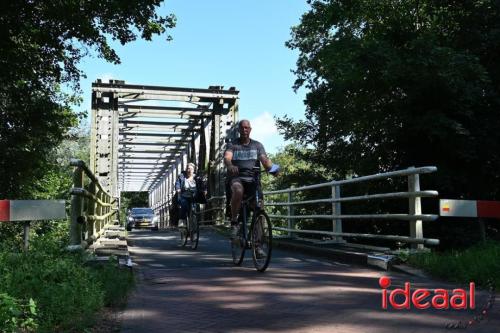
point(142, 217)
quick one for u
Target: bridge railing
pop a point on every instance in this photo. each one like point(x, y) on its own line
point(414, 216)
point(92, 208)
point(212, 211)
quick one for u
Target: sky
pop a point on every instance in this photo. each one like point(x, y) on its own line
point(233, 43)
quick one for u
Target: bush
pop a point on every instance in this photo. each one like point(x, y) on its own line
point(115, 281)
point(15, 314)
point(478, 263)
point(65, 292)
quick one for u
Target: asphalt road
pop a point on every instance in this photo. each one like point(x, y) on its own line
point(181, 290)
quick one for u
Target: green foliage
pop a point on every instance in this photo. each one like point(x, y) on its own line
point(64, 291)
point(297, 171)
point(400, 83)
point(53, 184)
point(116, 282)
point(41, 45)
point(51, 290)
point(15, 315)
point(464, 266)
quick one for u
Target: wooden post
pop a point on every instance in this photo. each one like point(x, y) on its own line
point(76, 209)
point(482, 229)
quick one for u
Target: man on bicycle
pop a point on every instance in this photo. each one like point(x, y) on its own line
point(240, 158)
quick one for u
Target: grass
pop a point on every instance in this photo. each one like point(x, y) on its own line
point(480, 264)
point(48, 289)
point(116, 282)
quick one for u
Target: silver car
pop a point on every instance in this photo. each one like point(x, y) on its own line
point(142, 218)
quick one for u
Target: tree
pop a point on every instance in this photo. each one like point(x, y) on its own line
point(54, 183)
point(41, 44)
point(405, 83)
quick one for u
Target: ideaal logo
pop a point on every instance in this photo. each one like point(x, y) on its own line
point(423, 298)
point(441, 298)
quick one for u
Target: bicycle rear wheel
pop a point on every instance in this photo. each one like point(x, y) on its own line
point(262, 241)
point(238, 247)
point(194, 230)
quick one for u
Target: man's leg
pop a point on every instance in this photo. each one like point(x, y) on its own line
point(236, 197)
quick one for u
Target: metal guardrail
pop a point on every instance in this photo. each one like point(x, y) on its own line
point(414, 216)
point(212, 203)
point(92, 208)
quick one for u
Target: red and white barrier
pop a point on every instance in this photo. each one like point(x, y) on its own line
point(31, 210)
point(469, 208)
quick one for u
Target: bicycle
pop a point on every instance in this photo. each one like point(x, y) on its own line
point(192, 228)
point(259, 236)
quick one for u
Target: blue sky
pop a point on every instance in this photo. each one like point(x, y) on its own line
point(219, 42)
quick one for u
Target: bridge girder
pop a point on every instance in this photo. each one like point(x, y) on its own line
point(143, 136)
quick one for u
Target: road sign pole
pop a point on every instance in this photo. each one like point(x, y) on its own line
point(26, 235)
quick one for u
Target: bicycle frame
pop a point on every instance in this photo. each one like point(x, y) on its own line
point(191, 230)
point(245, 205)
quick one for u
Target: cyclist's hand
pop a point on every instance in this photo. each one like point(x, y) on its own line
point(275, 170)
point(233, 170)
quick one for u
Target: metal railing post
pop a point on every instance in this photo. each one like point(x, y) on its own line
point(336, 210)
point(415, 208)
point(291, 211)
point(76, 209)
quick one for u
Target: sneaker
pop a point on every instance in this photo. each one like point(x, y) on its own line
point(234, 231)
point(182, 223)
point(260, 253)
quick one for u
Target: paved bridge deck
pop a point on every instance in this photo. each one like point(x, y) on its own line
point(180, 290)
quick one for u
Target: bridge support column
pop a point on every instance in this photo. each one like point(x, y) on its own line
point(104, 140)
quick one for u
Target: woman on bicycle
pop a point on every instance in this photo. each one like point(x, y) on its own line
point(189, 188)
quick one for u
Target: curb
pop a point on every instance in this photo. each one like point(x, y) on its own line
point(412, 271)
point(337, 254)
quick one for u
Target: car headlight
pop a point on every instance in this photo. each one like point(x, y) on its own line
point(130, 219)
point(155, 219)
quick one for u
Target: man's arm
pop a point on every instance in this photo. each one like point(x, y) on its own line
point(228, 157)
point(266, 162)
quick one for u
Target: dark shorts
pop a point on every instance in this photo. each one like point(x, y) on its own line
point(249, 185)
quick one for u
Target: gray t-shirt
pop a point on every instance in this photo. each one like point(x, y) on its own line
point(245, 157)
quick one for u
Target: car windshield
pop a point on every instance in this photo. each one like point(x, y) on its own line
point(142, 211)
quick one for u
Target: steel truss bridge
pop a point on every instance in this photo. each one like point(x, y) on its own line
point(142, 137)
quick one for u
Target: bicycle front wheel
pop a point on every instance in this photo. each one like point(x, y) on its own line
point(194, 230)
point(262, 237)
point(238, 246)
